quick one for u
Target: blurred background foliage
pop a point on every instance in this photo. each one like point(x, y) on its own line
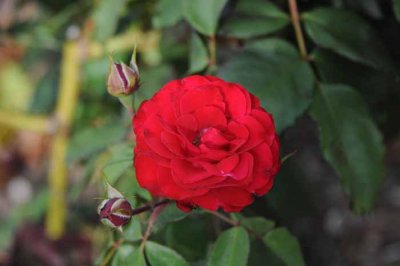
point(333, 86)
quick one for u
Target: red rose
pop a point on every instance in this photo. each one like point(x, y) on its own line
point(205, 142)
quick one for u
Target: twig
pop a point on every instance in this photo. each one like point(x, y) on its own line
point(150, 206)
point(234, 223)
point(294, 14)
point(223, 218)
point(152, 220)
point(212, 48)
point(111, 253)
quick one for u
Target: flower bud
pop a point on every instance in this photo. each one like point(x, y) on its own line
point(122, 80)
point(115, 212)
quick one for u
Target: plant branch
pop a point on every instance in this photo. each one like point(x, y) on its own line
point(212, 48)
point(152, 221)
point(294, 14)
point(224, 218)
point(112, 251)
point(149, 207)
point(233, 222)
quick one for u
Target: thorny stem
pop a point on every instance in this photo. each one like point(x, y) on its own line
point(152, 220)
point(294, 14)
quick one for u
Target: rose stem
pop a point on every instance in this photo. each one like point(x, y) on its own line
point(212, 48)
point(152, 220)
point(232, 222)
point(294, 14)
point(149, 207)
point(111, 253)
point(224, 218)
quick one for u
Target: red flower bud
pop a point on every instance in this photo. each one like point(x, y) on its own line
point(115, 212)
point(122, 80)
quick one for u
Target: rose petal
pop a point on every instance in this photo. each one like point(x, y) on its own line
point(187, 126)
point(212, 155)
point(172, 189)
point(255, 102)
point(266, 120)
point(185, 172)
point(146, 172)
point(152, 136)
point(199, 97)
point(172, 142)
point(194, 81)
point(210, 116)
point(185, 206)
point(244, 168)
point(240, 133)
point(233, 197)
point(222, 168)
point(263, 158)
point(213, 138)
point(237, 99)
point(267, 187)
point(208, 201)
point(257, 133)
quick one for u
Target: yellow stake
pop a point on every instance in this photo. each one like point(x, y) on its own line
point(58, 172)
point(36, 123)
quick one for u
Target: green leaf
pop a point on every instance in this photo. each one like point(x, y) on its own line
point(329, 28)
point(285, 246)
point(159, 255)
point(231, 249)
point(121, 255)
point(168, 13)
point(190, 237)
point(91, 140)
point(255, 18)
point(169, 214)
point(374, 84)
point(350, 141)
point(203, 15)
point(251, 27)
point(121, 159)
point(258, 225)
point(136, 258)
point(198, 57)
point(128, 255)
point(272, 70)
point(105, 16)
point(396, 7)
point(133, 231)
point(261, 8)
point(260, 255)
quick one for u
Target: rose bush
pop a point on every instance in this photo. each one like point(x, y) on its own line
point(205, 143)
